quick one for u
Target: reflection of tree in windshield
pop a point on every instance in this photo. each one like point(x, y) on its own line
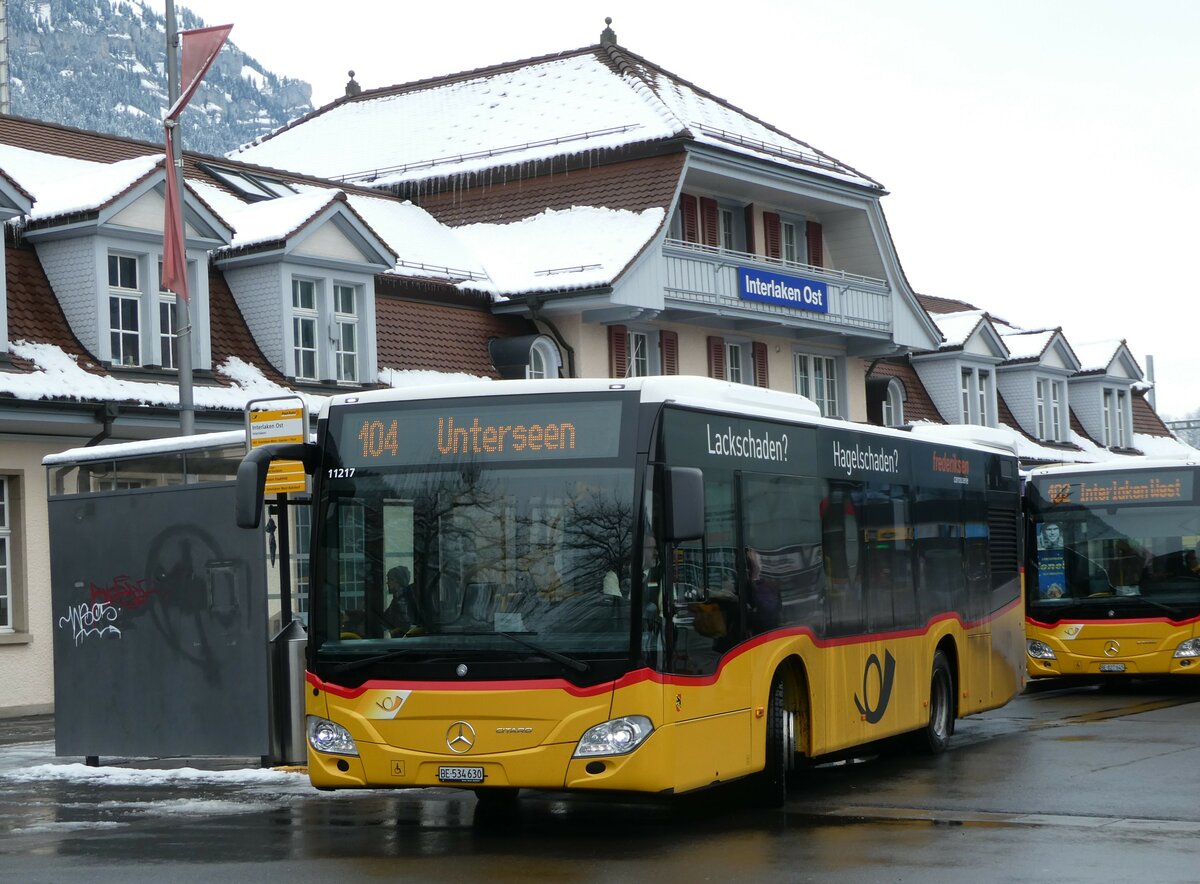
point(508, 541)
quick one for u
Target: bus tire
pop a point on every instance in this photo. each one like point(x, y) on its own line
point(934, 738)
point(770, 785)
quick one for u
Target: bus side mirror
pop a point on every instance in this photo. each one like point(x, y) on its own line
point(683, 503)
point(252, 477)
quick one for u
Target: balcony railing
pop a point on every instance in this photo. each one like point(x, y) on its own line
point(704, 276)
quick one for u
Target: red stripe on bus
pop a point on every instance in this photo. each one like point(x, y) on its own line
point(639, 675)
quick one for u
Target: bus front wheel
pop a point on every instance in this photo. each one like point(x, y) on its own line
point(770, 786)
point(935, 736)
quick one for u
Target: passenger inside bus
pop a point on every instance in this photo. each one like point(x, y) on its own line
point(402, 615)
point(762, 596)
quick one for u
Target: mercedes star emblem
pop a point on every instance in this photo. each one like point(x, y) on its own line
point(1112, 648)
point(460, 737)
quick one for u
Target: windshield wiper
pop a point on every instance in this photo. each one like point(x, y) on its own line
point(366, 661)
point(1141, 598)
point(563, 659)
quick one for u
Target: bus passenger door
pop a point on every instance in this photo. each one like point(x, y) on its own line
point(710, 709)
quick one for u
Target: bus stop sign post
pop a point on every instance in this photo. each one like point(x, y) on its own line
point(268, 426)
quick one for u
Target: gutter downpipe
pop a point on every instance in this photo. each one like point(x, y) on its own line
point(535, 313)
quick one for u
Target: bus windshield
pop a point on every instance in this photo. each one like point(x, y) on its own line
point(509, 563)
point(1115, 543)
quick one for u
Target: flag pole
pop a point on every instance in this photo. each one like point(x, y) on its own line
point(183, 330)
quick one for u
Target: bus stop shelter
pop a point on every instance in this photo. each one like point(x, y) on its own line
point(162, 627)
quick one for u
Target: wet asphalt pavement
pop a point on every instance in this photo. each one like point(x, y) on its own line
point(1066, 784)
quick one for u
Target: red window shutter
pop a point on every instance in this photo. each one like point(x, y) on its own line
point(618, 351)
point(772, 235)
point(668, 342)
point(691, 218)
point(710, 223)
point(750, 228)
point(758, 353)
point(816, 248)
point(716, 357)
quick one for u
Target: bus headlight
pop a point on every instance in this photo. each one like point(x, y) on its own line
point(1040, 650)
point(1189, 648)
point(325, 736)
point(617, 737)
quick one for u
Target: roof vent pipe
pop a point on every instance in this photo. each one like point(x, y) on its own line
point(1150, 397)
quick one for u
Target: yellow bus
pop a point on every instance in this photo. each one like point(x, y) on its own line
point(1113, 581)
point(647, 585)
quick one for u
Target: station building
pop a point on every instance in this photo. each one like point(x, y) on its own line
point(582, 214)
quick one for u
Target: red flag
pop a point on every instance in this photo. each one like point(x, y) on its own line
point(199, 50)
point(174, 272)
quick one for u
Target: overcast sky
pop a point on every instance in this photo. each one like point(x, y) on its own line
point(1039, 154)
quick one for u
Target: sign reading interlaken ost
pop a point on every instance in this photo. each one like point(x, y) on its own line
point(269, 426)
point(796, 292)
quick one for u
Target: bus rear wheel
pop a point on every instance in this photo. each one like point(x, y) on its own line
point(770, 786)
point(934, 738)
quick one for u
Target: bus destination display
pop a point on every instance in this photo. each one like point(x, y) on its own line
point(512, 431)
point(1119, 489)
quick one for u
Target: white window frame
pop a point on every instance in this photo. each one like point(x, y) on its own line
point(1116, 418)
point(544, 361)
point(976, 399)
point(638, 361)
point(120, 336)
point(817, 379)
point(789, 239)
point(984, 380)
point(305, 317)
point(735, 363)
point(1057, 410)
point(168, 330)
point(1051, 407)
point(7, 596)
point(727, 235)
point(1123, 417)
point(345, 323)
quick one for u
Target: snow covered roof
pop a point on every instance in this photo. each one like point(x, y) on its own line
point(595, 99)
point(581, 247)
point(63, 185)
point(957, 328)
point(577, 248)
point(57, 376)
point(1097, 356)
point(1027, 345)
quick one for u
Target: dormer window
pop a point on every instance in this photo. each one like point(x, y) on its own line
point(346, 320)
point(168, 326)
point(304, 329)
point(124, 310)
point(1116, 417)
point(329, 337)
point(893, 404)
point(976, 396)
point(1051, 410)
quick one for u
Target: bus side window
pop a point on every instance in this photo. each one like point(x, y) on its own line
point(842, 542)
